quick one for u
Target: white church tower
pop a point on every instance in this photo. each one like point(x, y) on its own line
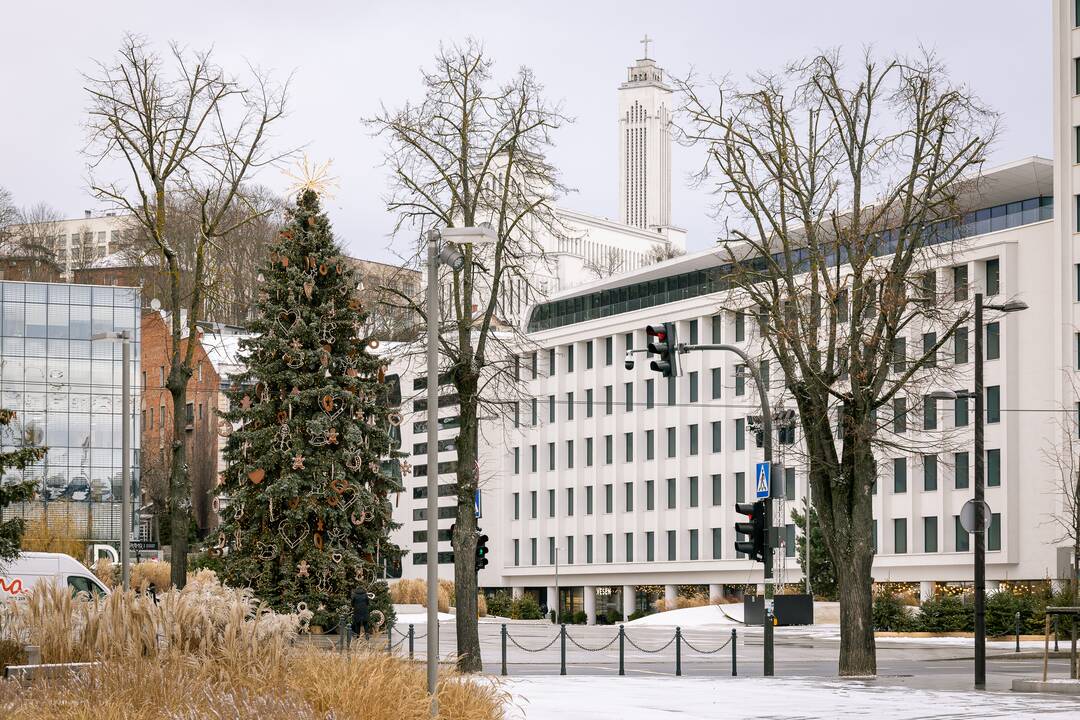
point(645, 146)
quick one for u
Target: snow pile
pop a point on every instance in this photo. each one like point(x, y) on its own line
point(647, 698)
point(418, 618)
point(704, 616)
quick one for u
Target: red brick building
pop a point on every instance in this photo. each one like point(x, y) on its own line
point(215, 359)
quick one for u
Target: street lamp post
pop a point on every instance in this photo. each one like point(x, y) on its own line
point(125, 443)
point(449, 256)
point(980, 480)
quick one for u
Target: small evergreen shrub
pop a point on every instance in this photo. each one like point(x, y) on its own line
point(890, 614)
point(500, 604)
point(945, 614)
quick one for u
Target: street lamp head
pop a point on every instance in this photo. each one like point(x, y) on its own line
point(1013, 306)
point(942, 395)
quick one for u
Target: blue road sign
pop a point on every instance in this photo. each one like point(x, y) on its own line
point(762, 480)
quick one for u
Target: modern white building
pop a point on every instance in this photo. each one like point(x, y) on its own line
point(79, 242)
point(616, 486)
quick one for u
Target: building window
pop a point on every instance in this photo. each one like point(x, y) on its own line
point(993, 467)
point(672, 384)
point(717, 544)
point(717, 322)
point(629, 540)
point(551, 503)
point(532, 504)
point(535, 412)
point(899, 535)
point(628, 492)
point(694, 439)
point(609, 547)
point(671, 493)
point(717, 382)
point(650, 495)
point(993, 404)
point(899, 354)
point(740, 380)
point(899, 475)
point(609, 449)
point(609, 498)
point(929, 340)
point(740, 326)
point(740, 487)
point(671, 442)
point(993, 341)
point(993, 276)
point(589, 500)
point(961, 470)
point(588, 452)
point(517, 461)
point(716, 427)
point(517, 506)
point(930, 534)
point(551, 456)
point(609, 350)
point(650, 445)
point(650, 546)
point(764, 373)
point(628, 389)
point(672, 545)
point(588, 549)
point(960, 345)
point(993, 533)
point(569, 406)
point(929, 472)
point(960, 412)
point(963, 540)
point(789, 483)
point(628, 341)
point(693, 332)
point(569, 549)
point(588, 403)
point(693, 544)
point(693, 481)
point(629, 441)
point(929, 413)
point(650, 394)
point(570, 502)
point(609, 399)
point(569, 358)
point(570, 454)
point(589, 355)
point(532, 550)
point(899, 420)
point(517, 552)
point(717, 489)
point(740, 433)
point(551, 409)
point(693, 387)
point(789, 540)
point(960, 283)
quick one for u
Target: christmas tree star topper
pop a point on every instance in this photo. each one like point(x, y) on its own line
point(309, 175)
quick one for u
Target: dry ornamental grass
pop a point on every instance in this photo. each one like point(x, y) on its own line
point(211, 652)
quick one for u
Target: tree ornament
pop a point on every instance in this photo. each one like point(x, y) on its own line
point(256, 476)
point(245, 402)
point(302, 568)
point(332, 436)
point(298, 462)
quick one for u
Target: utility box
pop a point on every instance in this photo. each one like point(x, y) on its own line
point(789, 609)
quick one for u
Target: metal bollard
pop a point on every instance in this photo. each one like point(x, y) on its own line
point(622, 647)
point(734, 653)
point(390, 639)
point(1017, 631)
point(678, 651)
point(502, 632)
point(1055, 633)
point(412, 639)
point(562, 649)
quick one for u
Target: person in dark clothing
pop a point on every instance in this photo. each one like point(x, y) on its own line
point(360, 614)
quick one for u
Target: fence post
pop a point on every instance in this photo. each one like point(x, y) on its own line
point(1017, 631)
point(1055, 633)
point(502, 632)
point(734, 653)
point(390, 639)
point(412, 639)
point(562, 649)
point(678, 651)
point(622, 642)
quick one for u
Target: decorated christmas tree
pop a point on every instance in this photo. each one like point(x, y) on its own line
point(304, 501)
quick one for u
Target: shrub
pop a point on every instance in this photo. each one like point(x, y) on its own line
point(414, 592)
point(681, 602)
point(638, 614)
point(107, 572)
point(205, 561)
point(526, 608)
point(890, 613)
point(500, 604)
point(11, 653)
point(613, 617)
point(58, 535)
point(945, 614)
point(579, 618)
point(158, 573)
point(1001, 609)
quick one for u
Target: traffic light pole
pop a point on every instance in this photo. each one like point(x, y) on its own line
point(770, 533)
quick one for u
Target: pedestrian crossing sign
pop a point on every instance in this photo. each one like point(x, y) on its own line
point(762, 477)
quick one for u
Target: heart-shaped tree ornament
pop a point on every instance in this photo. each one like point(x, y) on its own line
point(256, 476)
point(294, 535)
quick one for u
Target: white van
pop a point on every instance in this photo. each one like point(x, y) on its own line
point(29, 569)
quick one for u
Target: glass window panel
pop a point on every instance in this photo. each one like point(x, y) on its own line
point(14, 314)
point(79, 322)
point(102, 318)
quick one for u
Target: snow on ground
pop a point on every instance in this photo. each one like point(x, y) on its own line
point(419, 618)
point(704, 616)
point(649, 698)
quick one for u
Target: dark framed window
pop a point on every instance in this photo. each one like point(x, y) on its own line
point(961, 470)
point(930, 468)
point(993, 467)
point(694, 439)
point(693, 483)
point(899, 535)
point(993, 276)
point(899, 475)
point(960, 345)
point(962, 539)
point(650, 494)
point(628, 401)
point(930, 534)
point(650, 444)
point(716, 382)
point(717, 489)
point(993, 341)
point(993, 404)
point(740, 433)
point(672, 497)
point(716, 426)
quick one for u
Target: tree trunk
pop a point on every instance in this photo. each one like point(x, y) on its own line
point(179, 485)
point(468, 637)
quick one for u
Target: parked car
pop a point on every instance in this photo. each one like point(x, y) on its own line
point(31, 569)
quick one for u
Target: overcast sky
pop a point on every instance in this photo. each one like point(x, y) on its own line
point(348, 57)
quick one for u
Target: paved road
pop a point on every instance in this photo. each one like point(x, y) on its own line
point(799, 653)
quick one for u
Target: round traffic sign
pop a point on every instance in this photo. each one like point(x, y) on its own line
point(967, 516)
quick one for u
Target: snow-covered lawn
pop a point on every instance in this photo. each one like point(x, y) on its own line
point(652, 698)
point(729, 614)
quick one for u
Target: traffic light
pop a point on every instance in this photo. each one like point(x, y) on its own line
point(662, 340)
point(755, 530)
point(481, 550)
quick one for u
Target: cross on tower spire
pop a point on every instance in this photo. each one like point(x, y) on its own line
point(645, 41)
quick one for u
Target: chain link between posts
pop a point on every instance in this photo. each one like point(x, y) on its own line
point(589, 649)
point(646, 650)
point(688, 644)
point(521, 647)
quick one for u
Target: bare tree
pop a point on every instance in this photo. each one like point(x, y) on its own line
point(660, 252)
point(471, 152)
point(29, 235)
point(199, 134)
point(845, 187)
point(607, 262)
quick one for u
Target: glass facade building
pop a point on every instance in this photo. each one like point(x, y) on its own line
point(66, 391)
